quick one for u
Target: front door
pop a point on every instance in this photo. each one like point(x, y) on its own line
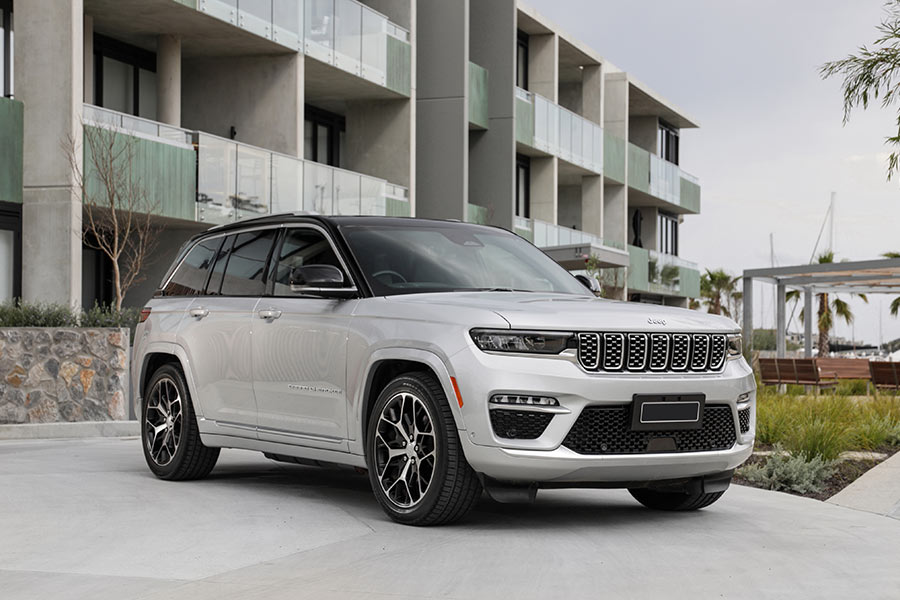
point(299, 350)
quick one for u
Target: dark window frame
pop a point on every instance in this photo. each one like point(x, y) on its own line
point(669, 138)
point(523, 163)
point(275, 258)
point(137, 58)
point(335, 124)
point(264, 279)
point(8, 25)
point(667, 234)
point(522, 44)
point(11, 220)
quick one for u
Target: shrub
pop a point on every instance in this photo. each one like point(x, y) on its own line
point(852, 387)
point(107, 316)
point(819, 437)
point(793, 473)
point(37, 314)
point(872, 432)
point(775, 418)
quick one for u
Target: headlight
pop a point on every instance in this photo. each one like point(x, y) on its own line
point(530, 342)
point(734, 346)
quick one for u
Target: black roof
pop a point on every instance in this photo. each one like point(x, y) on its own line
point(327, 221)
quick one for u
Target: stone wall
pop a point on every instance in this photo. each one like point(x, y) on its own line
point(50, 375)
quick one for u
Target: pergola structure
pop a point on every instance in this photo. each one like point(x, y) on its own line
point(861, 277)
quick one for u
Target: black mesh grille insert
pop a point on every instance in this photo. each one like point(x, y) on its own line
point(519, 424)
point(744, 418)
point(642, 352)
point(607, 430)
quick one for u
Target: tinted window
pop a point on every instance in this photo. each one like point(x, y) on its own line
point(190, 277)
point(247, 263)
point(214, 287)
point(436, 257)
point(301, 247)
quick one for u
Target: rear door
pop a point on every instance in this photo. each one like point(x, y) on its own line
point(300, 349)
point(216, 332)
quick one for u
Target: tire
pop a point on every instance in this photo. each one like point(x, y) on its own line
point(401, 417)
point(179, 455)
point(681, 501)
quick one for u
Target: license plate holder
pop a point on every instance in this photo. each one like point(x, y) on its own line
point(667, 412)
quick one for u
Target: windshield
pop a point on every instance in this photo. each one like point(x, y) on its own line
point(449, 257)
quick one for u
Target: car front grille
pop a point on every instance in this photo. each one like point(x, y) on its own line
point(744, 419)
point(652, 352)
point(519, 424)
point(607, 430)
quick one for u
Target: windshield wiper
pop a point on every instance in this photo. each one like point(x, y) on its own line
point(494, 289)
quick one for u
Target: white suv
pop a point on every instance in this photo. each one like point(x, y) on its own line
point(445, 358)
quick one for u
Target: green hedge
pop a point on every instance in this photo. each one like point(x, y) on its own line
point(37, 314)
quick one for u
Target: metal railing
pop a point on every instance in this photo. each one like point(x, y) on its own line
point(138, 126)
point(236, 181)
point(343, 33)
point(563, 133)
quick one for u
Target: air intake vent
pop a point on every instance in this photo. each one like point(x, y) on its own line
point(653, 352)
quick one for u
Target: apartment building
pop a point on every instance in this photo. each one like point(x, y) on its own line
point(464, 109)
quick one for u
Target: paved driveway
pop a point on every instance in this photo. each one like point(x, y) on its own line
point(85, 519)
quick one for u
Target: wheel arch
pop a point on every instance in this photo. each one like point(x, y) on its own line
point(389, 363)
point(155, 357)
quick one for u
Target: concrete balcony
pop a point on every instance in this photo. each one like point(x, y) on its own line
point(653, 272)
point(478, 97)
point(344, 34)
point(196, 176)
point(546, 128)
point(657, 182)
point(12, 136)
point(571, 248)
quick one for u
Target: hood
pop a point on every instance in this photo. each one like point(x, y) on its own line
point(576, 313)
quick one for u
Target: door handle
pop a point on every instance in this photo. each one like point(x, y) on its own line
point(269, 313)
point(199, 312)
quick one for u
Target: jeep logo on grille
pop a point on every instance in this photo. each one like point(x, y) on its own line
point(655, 321)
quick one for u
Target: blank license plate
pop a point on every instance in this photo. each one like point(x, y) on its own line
point(655, 412)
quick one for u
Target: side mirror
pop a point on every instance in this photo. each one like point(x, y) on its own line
point(588, 282)
point(316, 277)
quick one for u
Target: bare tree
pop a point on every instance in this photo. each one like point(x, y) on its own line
point(118, 214)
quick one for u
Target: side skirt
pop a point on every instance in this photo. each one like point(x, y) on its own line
point(215, 440)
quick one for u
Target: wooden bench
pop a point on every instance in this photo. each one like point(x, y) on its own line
point(843, 368)
point(799, 371)
point(885, 375)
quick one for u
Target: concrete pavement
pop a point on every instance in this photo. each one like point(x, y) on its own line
point(85, 519)
point(876, 491)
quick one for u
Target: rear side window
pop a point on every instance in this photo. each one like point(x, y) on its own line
point(213, 288)
point(246, 266)
point(300, 248)
point(189, 278)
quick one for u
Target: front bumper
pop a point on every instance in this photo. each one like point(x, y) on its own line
point(546, 459)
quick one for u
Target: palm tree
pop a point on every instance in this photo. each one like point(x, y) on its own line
point(830, 306)
point(895, 303)
point(718, 291)
point(871, 75)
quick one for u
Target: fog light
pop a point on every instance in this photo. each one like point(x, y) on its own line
point(745, 397)
point(526, 400)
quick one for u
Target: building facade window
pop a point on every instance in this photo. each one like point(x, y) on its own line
point(124, 77)
point(668, 143)
point(6, 48)
point(667, 230)
point(323, 136)
point(522, 60)
point(523, 186)
point(10, 251)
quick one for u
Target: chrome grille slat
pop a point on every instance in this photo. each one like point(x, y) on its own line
point(638, 352)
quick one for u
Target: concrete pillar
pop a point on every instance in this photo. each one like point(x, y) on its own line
point(89, 59)
point(748, 314)
point(543, 65)
point(442, 111)
point(592, 93)
point(168, 79)
point(492, 153)
point(615, 105)
point(807, 322)
point(50, 60)
point(592, 204)
point(544, 178)
point(615, 214)
point(779, 320)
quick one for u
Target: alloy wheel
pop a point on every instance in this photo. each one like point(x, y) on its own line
point(405, 449)
point(164, 421)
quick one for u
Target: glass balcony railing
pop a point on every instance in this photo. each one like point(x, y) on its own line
point(662, 179)
point(343, 33)
point(659, 273)
point(546, 235)
point(560, 132)
point(103, 117)
point(236, 181)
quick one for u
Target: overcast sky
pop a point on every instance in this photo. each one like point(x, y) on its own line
point(771, 147)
